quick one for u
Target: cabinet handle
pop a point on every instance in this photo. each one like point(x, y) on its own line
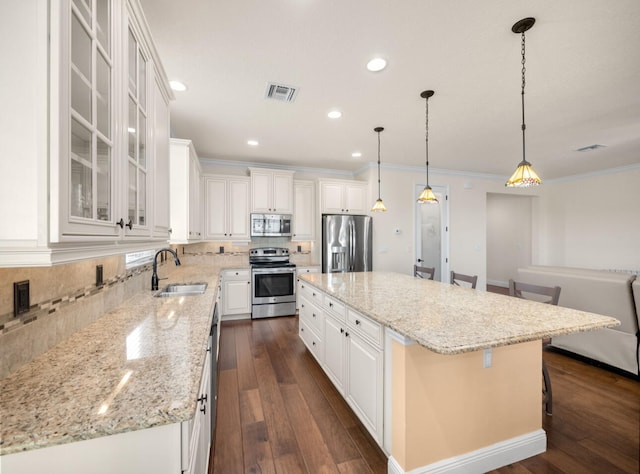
point(129, 225)
point(346, 334)
point(357, 322)
point(202, 398)
point(314, 315)
point(341, 330)
point(301, 329)
point(120, 223)
point(302, 305)
point(204, 409)
point(330, 304)
point(313, 343)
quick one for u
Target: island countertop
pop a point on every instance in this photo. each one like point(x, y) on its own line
point(449, 319)
point(136, 367)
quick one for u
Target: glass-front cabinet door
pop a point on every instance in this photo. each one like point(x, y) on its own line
point(137, 167)
point(89, 171)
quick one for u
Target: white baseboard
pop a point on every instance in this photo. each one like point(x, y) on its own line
point(484, 459)
point(503, 284)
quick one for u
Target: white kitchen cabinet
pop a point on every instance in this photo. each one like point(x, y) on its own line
point(85, 152)
point(307, 269)
point(196, 433)
point(352, 353)
point(343, 197)
point(227, 208)
point(236, 292)
point(304, 211)
point(186, 221)
point(161, 165)
point(271, 191)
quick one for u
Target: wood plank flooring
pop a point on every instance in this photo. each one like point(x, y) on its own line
point(279, 413)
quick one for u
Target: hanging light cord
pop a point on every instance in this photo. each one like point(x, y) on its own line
point(378, 166)
point(522, 97)
point(426, 138)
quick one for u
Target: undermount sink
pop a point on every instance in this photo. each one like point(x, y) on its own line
point(182, 289)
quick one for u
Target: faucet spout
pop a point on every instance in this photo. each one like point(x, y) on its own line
point(154, 275)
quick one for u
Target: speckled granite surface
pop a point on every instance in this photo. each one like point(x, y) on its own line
point(136, 367)
point(450, 319)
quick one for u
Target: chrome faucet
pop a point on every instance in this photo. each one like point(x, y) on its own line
point(154, 275)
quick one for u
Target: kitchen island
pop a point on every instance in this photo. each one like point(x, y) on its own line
point(461, 388)
point(120, 395)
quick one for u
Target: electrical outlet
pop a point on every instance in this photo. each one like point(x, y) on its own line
point(99, 279)
point(487, 357)
point(21, 297)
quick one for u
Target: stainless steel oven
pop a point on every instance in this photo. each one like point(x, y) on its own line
point(273, 283)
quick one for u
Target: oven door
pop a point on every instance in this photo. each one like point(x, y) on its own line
point(273, 285)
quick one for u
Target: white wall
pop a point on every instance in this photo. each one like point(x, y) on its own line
point(593, 222)
point(509, 238)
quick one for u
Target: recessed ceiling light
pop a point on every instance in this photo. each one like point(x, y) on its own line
point(356, 154)
point(334, 114)
point(131, 130)
point(177, 86)
point(252, 142)
point(376, 64)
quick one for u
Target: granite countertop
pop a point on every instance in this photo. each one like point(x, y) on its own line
point(136, 367)
point(449, 319)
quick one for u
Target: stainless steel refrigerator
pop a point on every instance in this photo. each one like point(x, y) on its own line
point(346, 243)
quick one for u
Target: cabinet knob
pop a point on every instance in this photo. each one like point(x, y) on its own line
point(314, 315)
point(341, 330)
point(346, 334)
point(357, 322)
point(330, 304)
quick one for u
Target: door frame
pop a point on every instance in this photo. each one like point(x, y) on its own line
point(444, 229)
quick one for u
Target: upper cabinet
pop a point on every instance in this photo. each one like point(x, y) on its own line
point(343, 197)
point(227, 208)
point(89, 169)
point(304, 211)
point(186, 220)
point(271, 191)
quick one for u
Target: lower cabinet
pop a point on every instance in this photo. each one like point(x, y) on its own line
point(349, 347)
point(236, 292)
point(167, 449)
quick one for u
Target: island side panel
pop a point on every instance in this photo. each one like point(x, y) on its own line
point(449, 405)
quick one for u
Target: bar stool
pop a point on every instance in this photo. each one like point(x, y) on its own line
point(516, 289)
point(423, 272)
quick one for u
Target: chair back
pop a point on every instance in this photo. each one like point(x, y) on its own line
point(423, 272)
point(458, 277)
point(516, 288)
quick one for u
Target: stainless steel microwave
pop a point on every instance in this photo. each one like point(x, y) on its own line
point(270, 225)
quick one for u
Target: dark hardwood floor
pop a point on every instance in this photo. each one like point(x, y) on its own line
point(278, 413)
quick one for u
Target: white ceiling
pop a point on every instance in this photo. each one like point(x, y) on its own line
point(582, 81)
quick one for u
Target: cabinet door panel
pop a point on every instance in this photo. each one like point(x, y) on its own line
point(364, 385)
point(216, 221)
point(239, 209)
point(331, 195)
point(236, 297)
point(334, 342)
point(261, 187)
point(282, 193)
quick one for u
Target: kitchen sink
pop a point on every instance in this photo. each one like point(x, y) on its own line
point(182, 289)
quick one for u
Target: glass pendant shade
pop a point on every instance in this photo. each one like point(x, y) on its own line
point(524, 176)
point(379, 205)
point(427, 196)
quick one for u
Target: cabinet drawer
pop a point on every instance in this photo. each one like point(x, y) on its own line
point(369, 329)
point(237, 274)
point(311, 314)
point(334, 306)
point(309, 292)
point(311, 340)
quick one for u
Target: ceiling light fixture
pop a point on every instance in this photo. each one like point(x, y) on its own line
point(379, 205)
point(376, 64)
point(252, 142)
point(334, 114)
point(356, 154)
point(177, 86)
point(524, 175)
point(427, 196)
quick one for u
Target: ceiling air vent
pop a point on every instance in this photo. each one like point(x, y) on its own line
point(591, 147)
point(281, 92)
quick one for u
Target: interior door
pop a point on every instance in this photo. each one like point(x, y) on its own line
point(432, 233)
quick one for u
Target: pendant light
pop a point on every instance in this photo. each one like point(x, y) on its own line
point(427, 196)
point(524, 175)
point(379, 205)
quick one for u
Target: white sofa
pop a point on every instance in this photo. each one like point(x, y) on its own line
point(596, 291)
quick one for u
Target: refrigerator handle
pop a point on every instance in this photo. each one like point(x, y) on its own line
point(352, 245)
